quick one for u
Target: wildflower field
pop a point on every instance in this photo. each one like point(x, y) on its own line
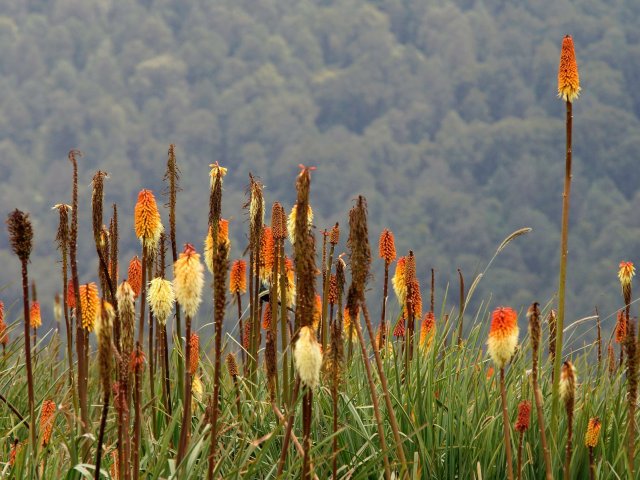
point(292, 376)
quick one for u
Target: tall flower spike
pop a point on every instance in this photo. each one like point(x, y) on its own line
point(223, 238)
point(332, 295)
point(524, 416)
point(307, 357)
point(427, 330)
point(348, 327)
point(334, 236)
point(621, 327)
point(161, 299)
point(34, 315)
point(20, 234)
point(387, 246)
point(189, 280)
point(71, 296)
point(399, 330)
point(267, 250)
point(194, 358)
point(317, 312)
point(278, 222)
point(416, 300)
point(398, 282)
point(266, 317)
point(126, 308)
point(232, 365)
point(593, 432)
point(238, 277)
point(626, 272)
point(503, 335)
point(291, 223)
point(134, 275)
point(567, 382)
point(47, 419)
point(146, 218)
point(568, 78)
point(215, 169)
point(90, 305)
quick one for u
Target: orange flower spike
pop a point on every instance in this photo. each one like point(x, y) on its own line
point(317, 312)
point(223, 238)
point(134, 275)
point(387, 246)
point(266, 317)
point(267, 250)
point(146, 219)
point(593, 432)
point(398, 282)
point(398, 330)
point(47, 419)
point(626, 272)
point(568, 78)
point(90, 305)
point(524, 416)
point(416, 300)
point(490, 372)
point(194, 358)
point(503, 335)
point(238, 277)
point(71, 296)
point(427, 330)
point(34, 315)
point(621, 327)
point(347, 326)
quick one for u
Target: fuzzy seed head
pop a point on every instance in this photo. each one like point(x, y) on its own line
point(216, 171)
point(387, 246)
point(427, 331)
point(161, 299)
point(194, 354)
point(593, 432)
point(238, 277)
point(188, 280)
point(567, 383)
point(307, 357)
point(568, 78)
point(146, 219)
point(20, 234)
point(34, 315)
point(291, 222)
point(503, 335)
point(134, 275)
point(90, 305)
point(47, 419)
point(524, 416)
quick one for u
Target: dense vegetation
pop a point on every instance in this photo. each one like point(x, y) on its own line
point(442, 113)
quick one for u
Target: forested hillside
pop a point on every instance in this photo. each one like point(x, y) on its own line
point(442, 113)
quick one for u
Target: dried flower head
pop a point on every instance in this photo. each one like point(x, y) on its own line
point(34, 315)
point(216, 171)
point(524, 416)
point(334, 236)
point(232, 365)
point(161, 299)
point(348, 326)
point(621, 327)
point(114, 470)
point(125, 297)
point(307, 357)
point(427, 330)
point(223, 238)
point(90, 305)
point(291, 222)
point(278, 222)
point(413, 305)
point(503, 335)
point(194, 353)
point(568, 78)
point(238, 277)
point(71, 296)
point(593, 432)
point(47, 419)
point(567, 382)
point(20, 234)
point(188, 280)
point(134, 275)
point(267, 251)
point(266, 316)
point(398, 281)
point(399, 330)
point(387, 246)
point(332, 295)
point(146, 218)
point(246, 336)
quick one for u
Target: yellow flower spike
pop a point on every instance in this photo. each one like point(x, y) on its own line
point(503, 335)
point(34, 315)
point(146, 218)
point(188, 281)
point(161, 299)
point(307, 357)
point(90, 305)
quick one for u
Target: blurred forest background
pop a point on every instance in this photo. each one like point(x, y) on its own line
point(443, 113)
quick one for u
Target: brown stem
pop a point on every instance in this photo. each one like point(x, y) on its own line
point(543, 436)
point(103, 425)
point(288, 431)
point(27, 349)
point(307, 407)
point(186, 406)
point(592, 465)
point(167, 380)
point(240, 326)
point(14, 410)
point(520, 456)
point(567, 458)
point(283, 325)
point(505, 422)
point(137, 400)
point(383, 314)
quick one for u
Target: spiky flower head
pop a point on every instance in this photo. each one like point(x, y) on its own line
point(34, 315)
point(134, 275)
point(567, 383)
point(188, 281)
point(267, 251)
point(223, 238)
point(89, 305)
point(71, 296)
point(4, 336)
point(503, 335)
point(194, 353)
point(399, 330)
point(626, 271)
point(146, 219)
point(238, 277)
point(568, 78)
point(398, 282)
point(413, 302)
point(427, 330)
point(278, 222)
point(524, 416)
point(593, 432)
point(161, 299)
point(20, 234)
point(334, 236)
point(291, 222)
point(307, 357)
point(621, 327)
point(266, 316)
point(47, 419)
point(232, 365)
point(246, 336)
point(216, 171)
point(387, 246)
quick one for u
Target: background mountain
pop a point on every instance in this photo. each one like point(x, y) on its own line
point(442, 113)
